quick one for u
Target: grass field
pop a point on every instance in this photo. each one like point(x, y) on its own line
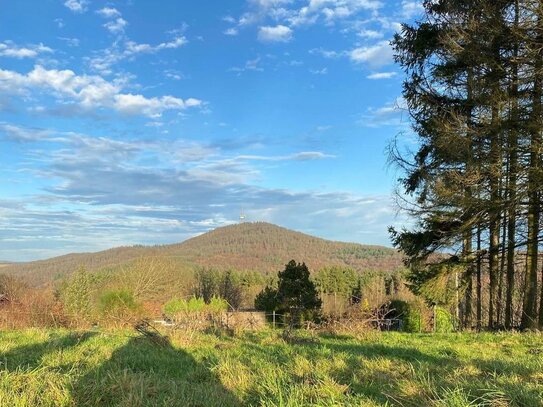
point(94, 368)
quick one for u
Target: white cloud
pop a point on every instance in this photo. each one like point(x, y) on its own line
point(374, 56)
point(90, 91)
point(301, 156)
point(391, 114)
point(279, 33)
point(250, 65)
point(10, 49)
point(332, 14)
point(411, 8)
point(173, 74)
point(103, 61)
point(229, 19)
point(382, 75)
point(269, 3)
point(21, 134)
point(322, 71)
point(288, 12)
point(135, 48)
point(152, 107)
point(370, 34)
point(326, 53)
point(116, 26)
point(77, 6)
point(71, 42)
point(231, 31)
point(109, 12)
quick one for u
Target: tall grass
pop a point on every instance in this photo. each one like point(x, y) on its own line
point(95, 368)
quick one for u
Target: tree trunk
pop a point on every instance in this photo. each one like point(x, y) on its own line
point(512, 184)
point(479, 281)
point(529, 315)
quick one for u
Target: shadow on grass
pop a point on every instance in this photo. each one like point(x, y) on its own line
point(29, 357)
point(400, 374)
point(431, 374)
point(142, 373)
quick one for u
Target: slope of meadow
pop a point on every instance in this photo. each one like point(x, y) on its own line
point(248, 246)
point(93, 368)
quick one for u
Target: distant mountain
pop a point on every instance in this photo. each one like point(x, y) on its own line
point(247, 246)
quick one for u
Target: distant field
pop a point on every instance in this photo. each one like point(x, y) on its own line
point(66, 368)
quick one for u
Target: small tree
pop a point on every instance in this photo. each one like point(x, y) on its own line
point(76, 295)
point(266, 300)
point(337, 281)
point(296, 293)
point(356, 293)
point(206, 284)
point(230, 290)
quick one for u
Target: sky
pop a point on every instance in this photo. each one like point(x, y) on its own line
point(149, 122)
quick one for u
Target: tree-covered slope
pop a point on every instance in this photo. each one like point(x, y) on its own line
point(248, 246)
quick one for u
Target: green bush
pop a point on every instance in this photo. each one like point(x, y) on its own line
point(410, 313)
point(217, 305)
point(444, 321)
point(76, 295)
point(414, 321)
point(178, 309)
point(117, 303)
point(174, 307)
point(266, 300)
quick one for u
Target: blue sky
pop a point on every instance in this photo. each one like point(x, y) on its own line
point(148, 122)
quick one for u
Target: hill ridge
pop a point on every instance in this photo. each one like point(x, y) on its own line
point(259, 246)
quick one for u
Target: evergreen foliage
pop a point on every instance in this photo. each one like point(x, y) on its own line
point(473, 89)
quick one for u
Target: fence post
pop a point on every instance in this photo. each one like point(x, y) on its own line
point(273, 318)
point(435, 319)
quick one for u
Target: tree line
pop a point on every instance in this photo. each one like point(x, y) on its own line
point(473, 90)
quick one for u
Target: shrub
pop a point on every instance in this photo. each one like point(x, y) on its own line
point(75, 295)
point(174, 307)
point(119, 305)
point(409, 312)
point(444, 321)
point(266, 300)
point(193, 310)
point(217, 305)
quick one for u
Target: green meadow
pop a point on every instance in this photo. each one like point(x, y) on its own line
point(122, 368)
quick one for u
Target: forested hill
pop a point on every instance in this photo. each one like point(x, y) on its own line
point(247, 246)
point(267, 247)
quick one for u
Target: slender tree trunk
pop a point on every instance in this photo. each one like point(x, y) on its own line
point(537, 115)
point(512, 184)
point(529, 312)
point(541, 304)
point(495, 169)
point(494, 229)
point(529, 315)
point(479, 282)
point(511, 229)
point(468, 298)
point(468, 235)
point(499, 302)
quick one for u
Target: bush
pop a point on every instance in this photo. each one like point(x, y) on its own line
point(119, 304)
point(75, 295)
point(193, 310)
point(444, 321)
point(217, 306)
point(409, 312)
point(266, 300)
